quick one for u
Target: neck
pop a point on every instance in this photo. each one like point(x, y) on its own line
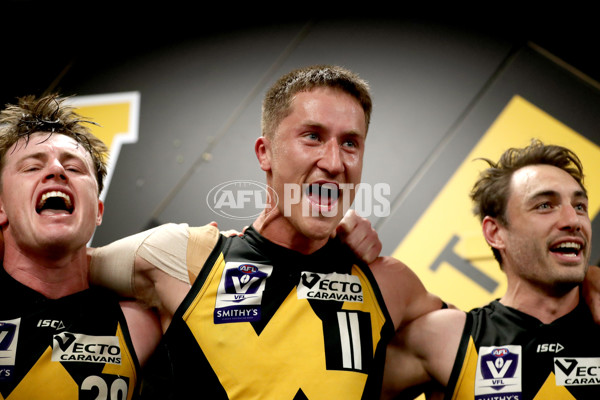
point(277, 229)
point(54, 278)
point(546, 307)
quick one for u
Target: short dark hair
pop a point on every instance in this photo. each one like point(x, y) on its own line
point(491, 191)
point(278, 99)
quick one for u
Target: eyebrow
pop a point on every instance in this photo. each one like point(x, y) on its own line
point(315, 125)
point(64, 155)
point(553, 193)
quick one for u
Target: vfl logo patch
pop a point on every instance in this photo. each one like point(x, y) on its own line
point(577, 371)
point(498, 372)
point(9, 336)
point(75, 347)
point(333, 287)
point(240, 292)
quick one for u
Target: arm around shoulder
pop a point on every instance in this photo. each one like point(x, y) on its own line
point(128, 265)
point(156, 266)
point(405, 296)
point(423, 352)
point(591, 291)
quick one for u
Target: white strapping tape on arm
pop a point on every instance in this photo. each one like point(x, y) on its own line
point(166, 249)
point(112, 266)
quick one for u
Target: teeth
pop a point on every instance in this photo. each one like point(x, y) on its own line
point(569, 245)
point(48, 195)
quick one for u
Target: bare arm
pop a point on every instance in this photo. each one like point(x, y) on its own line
point(405, 295)
point(155, 266)
point(591, 291)
point(427, 336)
point(144, 329)
point(422, 352)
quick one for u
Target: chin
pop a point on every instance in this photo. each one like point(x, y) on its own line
point(320, 228)
point(572, 278)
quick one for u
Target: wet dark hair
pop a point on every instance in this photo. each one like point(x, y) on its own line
point(50, 114)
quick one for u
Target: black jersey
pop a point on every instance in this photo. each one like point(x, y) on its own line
point(75, 347)
point(265, 322)
point(509, 355)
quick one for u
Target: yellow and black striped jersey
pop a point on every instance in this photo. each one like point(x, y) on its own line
point(265, 322)
point(510, 355)
point(75, 347)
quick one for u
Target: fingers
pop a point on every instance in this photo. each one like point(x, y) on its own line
point(231, 232)
point(359, 235)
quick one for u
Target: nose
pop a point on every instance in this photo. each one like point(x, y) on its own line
point(570, 219)
point(56, 171)
point(331, 159)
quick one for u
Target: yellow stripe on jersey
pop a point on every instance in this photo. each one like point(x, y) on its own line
point(46, 379)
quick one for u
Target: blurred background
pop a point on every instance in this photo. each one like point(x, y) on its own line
point(177, 88)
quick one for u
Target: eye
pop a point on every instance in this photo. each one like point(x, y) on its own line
point(312, 136)
point(350, 143)
point(544, 206)
point(74, 165)
point(31, 167)
point(581, 207)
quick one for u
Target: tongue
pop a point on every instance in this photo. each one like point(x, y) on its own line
point(324, 195)
point(50, 211)
point(316, 198)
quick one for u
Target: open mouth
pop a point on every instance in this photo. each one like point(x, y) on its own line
point(323, 194)
point(569, 249)
point(54, 202)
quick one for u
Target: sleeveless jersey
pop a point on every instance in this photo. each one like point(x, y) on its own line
point(509, 355)
point(265, 322)
point(75, 347)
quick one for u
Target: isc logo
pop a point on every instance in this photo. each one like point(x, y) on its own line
point(549, 348)
point(50, 323)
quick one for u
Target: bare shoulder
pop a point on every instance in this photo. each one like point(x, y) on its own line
point(405, 295)
point(384, 268)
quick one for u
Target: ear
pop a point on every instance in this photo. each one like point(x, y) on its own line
point(100, 212)
point(493, 232)
point(262, 148)
point(3, 217)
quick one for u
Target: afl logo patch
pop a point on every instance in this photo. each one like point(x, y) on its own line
point(248, 268)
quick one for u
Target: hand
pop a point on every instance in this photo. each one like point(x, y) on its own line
point(359, 235)
point(591, 291)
